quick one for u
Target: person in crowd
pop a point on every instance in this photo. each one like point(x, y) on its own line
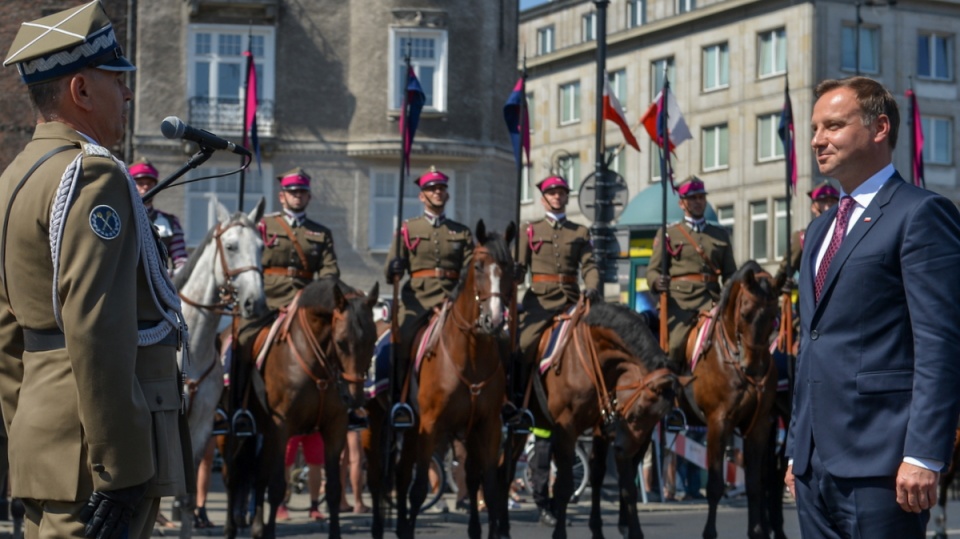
point(166, 224)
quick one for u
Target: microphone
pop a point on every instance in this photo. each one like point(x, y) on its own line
point(174, 128)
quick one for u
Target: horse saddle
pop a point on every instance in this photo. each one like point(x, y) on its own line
point(702, 332)
point(554, 340)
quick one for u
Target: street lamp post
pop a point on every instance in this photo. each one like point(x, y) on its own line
point(859, 21)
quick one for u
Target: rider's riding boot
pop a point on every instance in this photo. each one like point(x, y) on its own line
point(243, 424)
point(520, 420)
point(401, 416)
point(221, 423)
point(546, 518)
point(356, 420)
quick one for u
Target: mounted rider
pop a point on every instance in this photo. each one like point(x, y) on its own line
point(699, 256)
point(166, 224)
point(822, 197)
point(435, 250)
point(554, 249)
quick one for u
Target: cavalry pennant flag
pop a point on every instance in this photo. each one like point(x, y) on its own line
point(250, 114)
point(614, 112)
point(518, 121)
point(413, 101)
point(788, 137)
point(916, 141)
point(676, 126)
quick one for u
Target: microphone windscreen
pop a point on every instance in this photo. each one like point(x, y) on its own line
point(172, 127)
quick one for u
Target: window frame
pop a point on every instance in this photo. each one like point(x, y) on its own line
point(780, 231)
point(722, 66)
point(588, 27)
point(575, 105)
point(656, 74)
point(777, 145)
point(564, 170)
point(397, 69)
point(636, 13)
point(930, 137)
point(779, 41)
point(864, 30)
point(756, 218)
point(717, 149)
point(618, 84)
point(548, 32)
point(684, 6)
point(931, 38)
point(728, 222)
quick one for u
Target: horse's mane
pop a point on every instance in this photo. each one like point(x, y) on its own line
point(749, 265)
point(319, 295)
point(632, 329)
point(183, 275)
point(498, 249)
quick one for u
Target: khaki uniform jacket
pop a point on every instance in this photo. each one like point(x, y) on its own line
point(687, 298)
point(448, 246)
point(101, 413)
point(553, 248)
point(796, 251)
point(315, 240)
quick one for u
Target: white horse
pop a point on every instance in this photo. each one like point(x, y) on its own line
point(223, 276)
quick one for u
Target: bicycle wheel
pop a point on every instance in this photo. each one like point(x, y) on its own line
point(581, 469)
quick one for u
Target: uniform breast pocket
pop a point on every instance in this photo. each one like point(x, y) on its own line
point(456, 245)
point(314, 250)
point(572, 250)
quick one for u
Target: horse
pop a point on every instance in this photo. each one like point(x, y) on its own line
point(313, 374)
point(222, 276)
point(462, 385)
point(611, 377)
point(734, 386)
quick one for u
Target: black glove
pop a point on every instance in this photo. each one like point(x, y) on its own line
point(396, 268)
point(519, 272)
point(662, 284)
point(108, 513)
point(593, 295)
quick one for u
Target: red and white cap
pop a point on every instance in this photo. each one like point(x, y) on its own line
point(144, 169)
point(553, 182)
point(294, 180)
point(691, 186)
point(824, 191)
point(432, 177)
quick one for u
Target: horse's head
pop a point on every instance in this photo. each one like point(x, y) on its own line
point(354, 335)
point(749, 308)
point(643, 399)
point(491, 276)
point(239, 249)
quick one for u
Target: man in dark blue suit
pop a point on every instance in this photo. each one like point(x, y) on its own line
point(878, 375)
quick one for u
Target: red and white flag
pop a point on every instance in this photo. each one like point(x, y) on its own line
point(614, 112)
point(676, 126)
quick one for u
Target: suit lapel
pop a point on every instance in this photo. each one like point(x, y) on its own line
point(860, 229)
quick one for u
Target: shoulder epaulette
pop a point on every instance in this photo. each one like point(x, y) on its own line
point(94, 150)
point(272, 214)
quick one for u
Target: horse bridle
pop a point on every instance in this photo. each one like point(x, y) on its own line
point(228, 290)
point(478, 298)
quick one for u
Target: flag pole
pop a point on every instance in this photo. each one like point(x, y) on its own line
point(664, 179)
point(787, 302)
point(246, 103)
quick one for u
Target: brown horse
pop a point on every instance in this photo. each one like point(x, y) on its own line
point(462, 386)
point(313, 374)
point(735, 385)
point(611, 377)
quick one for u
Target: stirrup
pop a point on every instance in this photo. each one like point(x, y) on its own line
point(221, 424)
point(676, 420)
point(244, 425)
point(401, 416)
point(524, 423)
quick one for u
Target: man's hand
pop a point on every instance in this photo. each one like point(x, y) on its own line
point(108, 513)
point(790, 481)
point(662, 284)
point(396, 268)
point(593, 295)
point(519, 272)
point(916, 487)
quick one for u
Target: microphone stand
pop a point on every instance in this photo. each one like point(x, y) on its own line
point(198, 159)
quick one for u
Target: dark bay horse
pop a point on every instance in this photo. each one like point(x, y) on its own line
point(613, 378)
point(462, 386)
point(313, 374)
point(735, 385)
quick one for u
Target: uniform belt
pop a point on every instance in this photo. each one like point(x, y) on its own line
point(554, 278)
point(436, 273)
point(288, 272)
point(42, 340)
point(695, 277)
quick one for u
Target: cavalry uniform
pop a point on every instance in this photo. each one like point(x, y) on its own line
point(294, 253)
point(699, 256)
point(166, 224)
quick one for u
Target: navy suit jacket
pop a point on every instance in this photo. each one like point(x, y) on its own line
point(878, 373)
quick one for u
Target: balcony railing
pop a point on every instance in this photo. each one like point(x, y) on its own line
point(224, 116)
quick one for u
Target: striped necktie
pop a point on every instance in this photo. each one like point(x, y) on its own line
point(839, 232)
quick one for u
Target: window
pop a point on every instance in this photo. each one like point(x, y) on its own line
point(869, 49)
point(636, 13)
point(530, 110)
point(201, 197)
point(686, 6)
point(619, 163)
point(655, 174)
point(769, 145)
point(937, 141)
point(383, 205)
point(657, 72)
point(545, 40)
point(216, 76)
point(525, 194)
point(716, 67)
point(758, 230)
point(780, 228)
point(772, 59)
point(934, 57)
point(570, 103)
point(428, 57)
point(588, 27)
point(618, 84)
point(569, 168)
point(725, 218)
point(716, 147)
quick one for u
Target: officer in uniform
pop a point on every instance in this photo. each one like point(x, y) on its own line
point(822, 198)
point(554, 249)
point(435, 250)
point(89, 321)
point(167, 225)
point(699, 256)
